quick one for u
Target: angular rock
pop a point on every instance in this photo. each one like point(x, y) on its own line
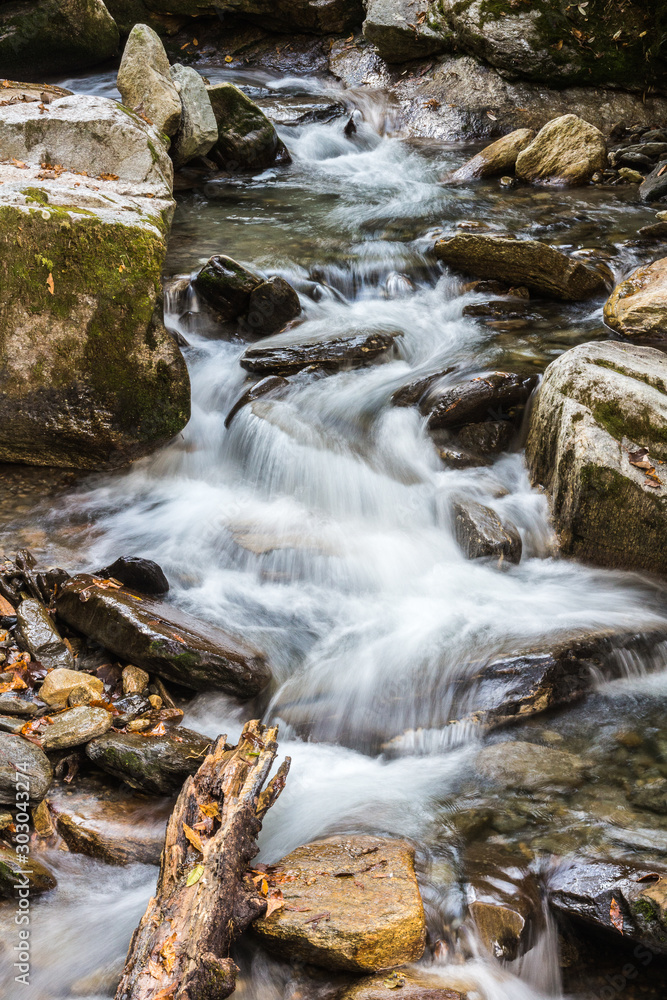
point(11, 724)
point(567, 151)
point(637, 307)
point(598, 407)
point(491, 437)
point(59, 683)
point(621, 900)
point(364, 929)
point(226, 285)
point(540, 267)
point(41, 635)
point(198, 130)
point(475, 398)
point(654, 187)
point(273, 305)
point(155, 764)
point(494, 160)
point(400, 30)
point(265, 387)
point(481, 534)
point(529, 766)
point(143, 575)
point(13, 869)
point(21, 756)
point(504, 901)
point(290, 352)
point(55, 37)
point(330, 16)
point(247, 140)
point(135, 680)
point(162, 640)
point(145, 82)
point(75, 727)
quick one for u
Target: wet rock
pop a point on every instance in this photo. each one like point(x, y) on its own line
point(65, 36)
point(538, 266)
point(11, 704)
point(198, 130)
point(359, 929)
point(621, 900)
point(226, 285)
point(599, 406)
point(498, 310)
point(410, 984)
point(400, 31)
point(75, 727)
point(529, 766)
point(155, 764)
point(494, 160)
point(654, 188)
point(273, 305)
point(144, 80)
point(135, 680)
point(658, 231)
point(491, 437)
point(11, 724)
point(652, 796)
point(300, 15)
point(290, 352)
point(58, 684)
point(503, 901)
point(481, 534)
point(638, 306)
point(265, 387)
point(630, 176)
point(247, 140)
point(567, 151)
point(162, 640)
point(14, 871)
point(143, 575)
point(130, 708)
point(41, 635)
point(473, 399)
point(19, 755)
point(81, 695)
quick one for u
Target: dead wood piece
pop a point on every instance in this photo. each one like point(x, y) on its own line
point(205, 897)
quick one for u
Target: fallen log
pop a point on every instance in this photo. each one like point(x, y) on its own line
point(205, 897)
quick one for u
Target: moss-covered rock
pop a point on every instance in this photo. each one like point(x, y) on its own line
point(54, 36)
point(247, 140)
point(400, 31)
point(599, 406)
point(567, 151)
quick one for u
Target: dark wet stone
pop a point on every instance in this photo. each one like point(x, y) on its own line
point(412, 393)
point(457, 458)
point(656, 231)
point(655, 186)
point(481, 534)
point(501, 309)
point(290, 353)
point(17, 754)
point(156, 764)
point(41, 635)
point(140, 574)
point(474, 399)
point(226, 285)
point(273, 305)
point(491, 437)
point(15, 871)
point(652, 796)
point(130, 707)
point(636, 160)
point(75, 727)
point(504, 900)
point(12, 704)
point(158, 638)
point(265, 387)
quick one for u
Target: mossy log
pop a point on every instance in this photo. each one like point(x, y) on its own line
point(205, 897)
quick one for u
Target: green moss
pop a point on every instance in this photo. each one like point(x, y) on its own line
point(35, 194)
point(655, 383)
point(646, 909)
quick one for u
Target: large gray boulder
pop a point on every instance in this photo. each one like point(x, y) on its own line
point(399, 29)
point(567, 152)
point(597, 436)
point(144, 80)
point(637, 307)
point(198, 130)
point(247, 140)
point(54, 36)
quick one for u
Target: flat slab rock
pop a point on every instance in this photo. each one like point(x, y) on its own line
point(155, 636)
point(411, 984)
point(155, 764)
point(351, 903)
point(637, 306)
point(75, 727)
point(518, 764)
point(287, 353)
point(19, 754)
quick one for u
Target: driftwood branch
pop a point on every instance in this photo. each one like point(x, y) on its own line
point(205, 897)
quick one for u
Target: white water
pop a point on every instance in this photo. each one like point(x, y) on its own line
point(364, 604)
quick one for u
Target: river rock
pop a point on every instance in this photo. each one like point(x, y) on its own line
point(162, 640)
point(11, 724)
point(490, 437)
point(17, 870)
point(21, 756)
point(538, 266)
point(90, 377)
point(246, 140)
point(11, 704)
point(145, 82)
point(637, 307)
point(494, 160)
point(621, 900)
point(135, 680)
point(290, 352)
point(155, 764)
point(75, 727)
point(654, 187)
point(226, 285)
point(198, 130)
point(322, 18)
point(265, 387)
point(504, 900)
point(567, 150)
point(400, 31)
point(143, 575)
point(41, 635)
point(598, 407)
point(652, 796)
point(360, 929)
point(474, 398)
point(529, 766)
point(273, 305)
point(411, 984)
point(59, 683)
point(54, 37)
point(481, 534)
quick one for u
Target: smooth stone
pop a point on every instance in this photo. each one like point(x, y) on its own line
point(11, 724)
point(155, 764)
point(481, 534)
point(379, 926)
point(246, 140)
point(11, 704)
point(272, 305)
point(41, 635)
point(58, 684)
point(631, 176)
point(637, 308)
point(654, 187)
point(498, 158)
point(474, 399)
point(517, 764)
point(409, 984)
point(504, 900)
point(135, 680)
point(287, 353)
point(58, 39)
point(567, 151)
point(17, 869)
point(226, 285)
point(198, 130)
point(19, 755)
point(75, 727)
point(652, 796)
point(658, 231)
point(130, 708)
point(265, 387)
point(143, 575)
point(145, 82)
point(490, 437)
point(114, 828)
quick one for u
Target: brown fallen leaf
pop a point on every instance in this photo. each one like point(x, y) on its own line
point(274, 902)
point(640, 459)
point(49, 283)
point(616, 916)
point(651, 877)
point(320, 916)
point(210, 809)
point(6, 608)
point(193, 837)
point(168, 953)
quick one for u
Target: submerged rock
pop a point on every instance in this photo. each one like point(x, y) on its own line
point(59, 683)
point(265, 387)
point(288, 353)
point(504, 901)
point(339, 914)
point(19, 756)
point(637, 307)
point(475, 398)
point(494, 160)
point(566, 151)
point(400, 31)
point(145, 82)
point(140, 574)
point(530, 766)
point(481, 534)
point(247, 140)
point(596, 430)
point(538, 266)
point(162, 640)
point(41, 635)
point(410, 984)
point(155, 764)
point(15, 871)
point(198, 130)
point(75, 727)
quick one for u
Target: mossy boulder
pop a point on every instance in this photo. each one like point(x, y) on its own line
point(637, 307)
point(498, 158)
point(54, 36)
point(155, 764)
point(144, 80)
point(247, 140)
point(400, 31)
point(567, 152)
point(598, 425)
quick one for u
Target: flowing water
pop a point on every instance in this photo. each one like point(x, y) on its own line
point(319, 524)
